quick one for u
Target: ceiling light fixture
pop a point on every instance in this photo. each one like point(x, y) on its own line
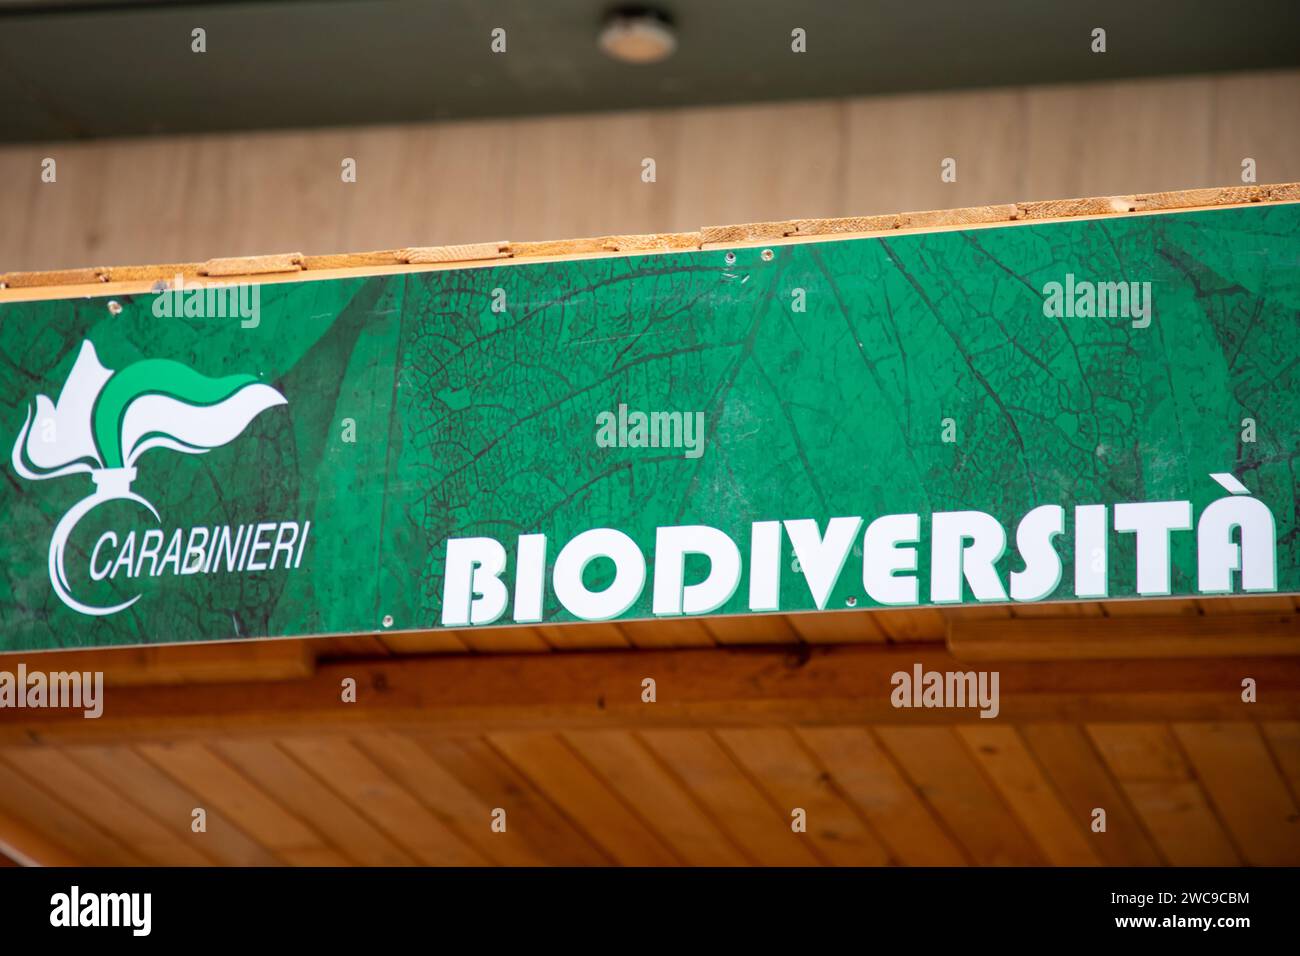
point(638, 35)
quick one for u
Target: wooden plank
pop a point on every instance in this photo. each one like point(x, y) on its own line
point(947, 777)
point(557, 771)
point(384, 802)
point(756, 629)
point(1283, 738)
point(1166, 607)
point(668, 632)
point(781, 766)
point(1127, 638)
point(582, 636)
point(627, 766)
point(425, 642)
point(529, 814)
point(299, 791)
point(1279, 604)
point(912, 624)
point(730, 796)
point(1062, 836)
point(219, 785)
point(241, 661)
point(841, 627)
point(861, 770)
point(41, 824)
point(1061, 612)
point(22, 844)
point(1246, 789)
point(836, 684)
point(1083, 784)
point(1146, 761)
point(105, 807)
point(253, 265)
point(459, 807)
point(505, 640)
point(171, 804)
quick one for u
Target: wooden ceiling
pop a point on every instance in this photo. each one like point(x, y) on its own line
point(754, 718)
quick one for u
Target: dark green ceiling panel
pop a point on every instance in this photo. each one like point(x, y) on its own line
point(95, 68)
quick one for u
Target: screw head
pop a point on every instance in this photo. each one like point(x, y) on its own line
point(114, 307)
point(851, 601)
point(729, 258)
point(766, 255)
point(388, 620)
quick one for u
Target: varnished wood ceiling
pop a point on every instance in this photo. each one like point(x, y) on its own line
point(755, 718)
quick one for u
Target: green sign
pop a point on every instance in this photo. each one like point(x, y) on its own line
point(1064, 411)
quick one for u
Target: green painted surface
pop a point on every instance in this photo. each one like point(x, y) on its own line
point(470, 422)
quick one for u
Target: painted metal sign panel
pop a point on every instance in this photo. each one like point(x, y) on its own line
point(1062, 411)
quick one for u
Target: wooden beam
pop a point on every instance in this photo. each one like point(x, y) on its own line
point(1125, 638)
point(842, 684)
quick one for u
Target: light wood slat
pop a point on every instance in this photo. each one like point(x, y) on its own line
point(1127, 638)
point(299, 791)
point(573, 636)
point(1060, 611)
point(171, 804)
point(778, 763)
point(1063, 837)
point(530, 815)
point(756, 629)
point(913, 624)
point(386, 804)
point(104, 807)
point(1243, 783)
point(976, 612)
point(415, 769)
point(354, 645)
point(1083, 784)
point(586, 800)
point(219, 785)
point(505, 640)
point(865, 774)
point(425, 642)
point(43, 817)
point(943, 771)
point(731, 797)
point(1145, 752)
point(236, 661)
point(1152, 608)
point(631, 769)
point(1254, 604)
point(840, 627)
point(1146, 761)
point(668, 632)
